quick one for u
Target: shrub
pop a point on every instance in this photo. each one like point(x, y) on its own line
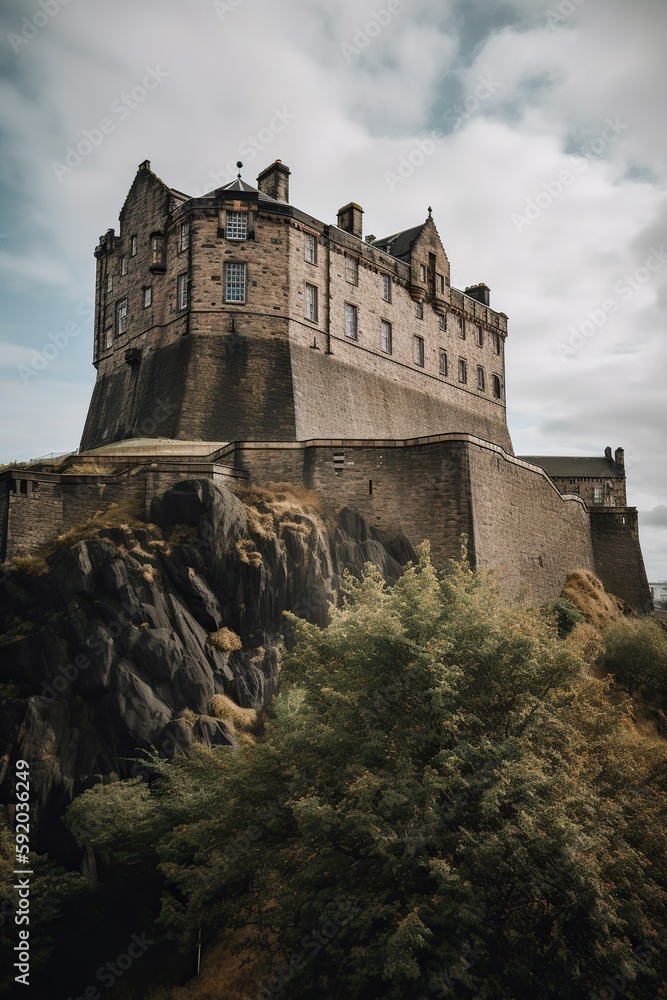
point(225, 640)
point(566, 615)
point(636, 652)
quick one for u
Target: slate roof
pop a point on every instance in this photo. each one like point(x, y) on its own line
point(563, 467)
point(240, 185)
point(400, 244)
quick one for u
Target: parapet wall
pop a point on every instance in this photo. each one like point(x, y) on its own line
point(436, 488)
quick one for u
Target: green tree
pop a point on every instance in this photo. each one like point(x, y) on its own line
point(444, 802)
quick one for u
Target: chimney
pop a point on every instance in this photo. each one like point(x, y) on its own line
point(607, 454)
point(481, 293)
point(619, 458)
point(274, 181)
point(350, 219)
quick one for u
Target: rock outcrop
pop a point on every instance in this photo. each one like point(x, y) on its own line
point(109, 647)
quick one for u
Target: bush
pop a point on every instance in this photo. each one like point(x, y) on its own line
point(636, 652)
point(225, 640)
point(565, 614)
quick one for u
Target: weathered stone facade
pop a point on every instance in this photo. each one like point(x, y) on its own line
point(302, 355)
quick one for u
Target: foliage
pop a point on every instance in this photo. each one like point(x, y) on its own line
point(565, 613)
point(444, 801)
point(586, 592)
point(225, 640)
point(636, 652)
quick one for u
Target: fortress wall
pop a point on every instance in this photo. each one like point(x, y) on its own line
point(618, 556)
point(354, 394)
point(33, 517)
point(524, 529)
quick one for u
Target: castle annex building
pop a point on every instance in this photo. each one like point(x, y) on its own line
point(239, 338)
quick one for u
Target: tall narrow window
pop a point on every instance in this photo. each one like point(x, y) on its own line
point(386, 287)
point(237, 226)
point(481, 378)
point(443, 362)
point(109, 282)
point(419, 310)
point(440, 284)
point(158, 252)
point(422, 272)
point(123, 264)
point(496, 386)
point(418, 351)
point(479, 336)
point(183, 284)
point(235, 282)
point(442, 322)
point(352, 270)
point(133, 247)
point(148, 296)
point(598, 495)
point(185, 235)
point(460, 327)
point(496, 343)
point(386, 337)
point(121, 317)
point(310, 302)
point(310, 248)
point(351, 321)
point(463, 370)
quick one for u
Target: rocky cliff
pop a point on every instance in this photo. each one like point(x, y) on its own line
point(119, 636)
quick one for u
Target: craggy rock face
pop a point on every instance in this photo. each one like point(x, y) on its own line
point(113, 652)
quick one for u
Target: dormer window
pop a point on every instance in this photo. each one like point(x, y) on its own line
point(237, 226)
point(158, 252)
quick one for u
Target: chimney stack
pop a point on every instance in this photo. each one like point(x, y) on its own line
point(607, 454)
point(481, 293)
point(274, 181)
point(350, 219)
point(619, 458)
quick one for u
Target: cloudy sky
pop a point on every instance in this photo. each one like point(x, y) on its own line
point(536, 132)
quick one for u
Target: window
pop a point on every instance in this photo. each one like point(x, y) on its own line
point(442, 322)
point(310, 248)
point(385, 337)
point(440, 283)
point(158, 254)
point(479, 336)
point(237, 226)
point(185, 235)
point(133, 247)
point(352, 270)
point(419, 310)
point(463, 370)
point(310, 303)
point(481, 378)
point(109, 282)
point(496, 343)
point(597, 495)
point(123, 264)
point(148, 296)
point(422, 272)
point(497, 389)
point(418, 351)
point(235, 282)
point(386, 287)
point(121, 317)
point(183, 283)
point(351, 321)
point(459, 326)
point(443, 362)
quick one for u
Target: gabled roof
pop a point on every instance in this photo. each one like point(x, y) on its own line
point(240, 185)
point(564, 467)
point(400, 244)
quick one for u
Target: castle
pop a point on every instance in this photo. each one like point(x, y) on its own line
point(239, 338)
